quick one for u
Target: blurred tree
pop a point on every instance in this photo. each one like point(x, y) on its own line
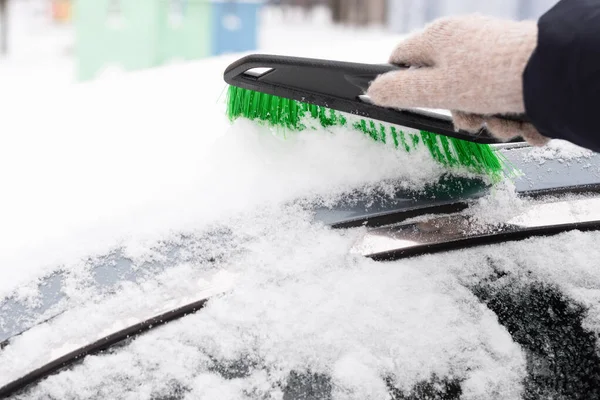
point(307, 6)
point(358, 12)
point(336, 7)
point(3, 27)
point(377, 11)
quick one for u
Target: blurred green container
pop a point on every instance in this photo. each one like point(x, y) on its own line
point(184, 31)
point(137, 34)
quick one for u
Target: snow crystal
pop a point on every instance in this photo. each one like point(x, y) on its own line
point(560, 150)
point(502, 203)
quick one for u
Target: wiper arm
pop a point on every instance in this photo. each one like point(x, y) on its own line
point(101, 345)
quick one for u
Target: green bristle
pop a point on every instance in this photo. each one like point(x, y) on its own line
point(382, 134)
point(394, 136)
point(404, 144)
point(448, 151)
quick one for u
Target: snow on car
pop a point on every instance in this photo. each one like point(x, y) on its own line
point(144, 199)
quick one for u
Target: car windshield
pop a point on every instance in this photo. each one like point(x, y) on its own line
point(293, 314)
point(309, 321)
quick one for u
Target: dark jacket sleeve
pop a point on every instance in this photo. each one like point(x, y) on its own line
point(561, 82)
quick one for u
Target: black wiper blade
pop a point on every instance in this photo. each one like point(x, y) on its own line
point(100, 345)
point(7, 341)
point(459, 231)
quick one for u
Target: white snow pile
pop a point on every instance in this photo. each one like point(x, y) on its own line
point(301, 303)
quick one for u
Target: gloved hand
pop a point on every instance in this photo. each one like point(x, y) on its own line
point(471, 65)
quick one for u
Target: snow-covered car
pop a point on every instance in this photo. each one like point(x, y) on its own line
point(458, 289)
point(181, 257)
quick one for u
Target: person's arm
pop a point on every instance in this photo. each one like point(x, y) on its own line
point(561, 82)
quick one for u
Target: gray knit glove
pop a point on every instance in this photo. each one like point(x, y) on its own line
point(471, 65)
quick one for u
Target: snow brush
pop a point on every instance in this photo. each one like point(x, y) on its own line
point(294, 92)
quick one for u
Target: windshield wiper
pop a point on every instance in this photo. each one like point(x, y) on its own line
point(551, 212)
point(100, 345)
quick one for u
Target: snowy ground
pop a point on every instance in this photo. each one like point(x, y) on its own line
point(130, 163)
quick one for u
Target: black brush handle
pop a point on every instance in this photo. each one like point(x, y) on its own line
point(339, 85)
